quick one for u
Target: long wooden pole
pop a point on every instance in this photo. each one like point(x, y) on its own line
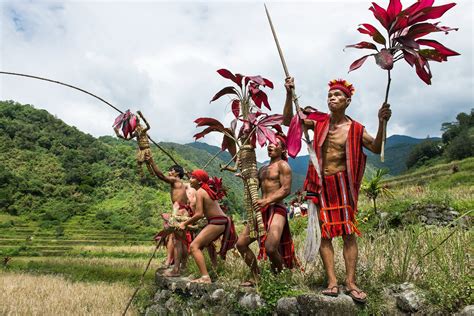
point(86, 92)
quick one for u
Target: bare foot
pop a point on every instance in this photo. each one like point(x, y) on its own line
point(204, 279)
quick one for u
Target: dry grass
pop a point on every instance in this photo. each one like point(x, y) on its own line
point(135, 249)
point(121, 263)
point(24, 294)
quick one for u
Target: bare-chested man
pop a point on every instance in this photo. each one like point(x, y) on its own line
point(338, 142)
point(176, 245)
point(275, 184)
point(209, 192)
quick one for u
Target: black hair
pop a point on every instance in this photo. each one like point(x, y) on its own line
point(178, 169)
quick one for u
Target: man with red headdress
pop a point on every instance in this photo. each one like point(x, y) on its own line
point(275, 183)
point(209, 192)
point(338, 143)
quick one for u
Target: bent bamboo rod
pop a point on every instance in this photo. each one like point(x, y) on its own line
point(86, 92)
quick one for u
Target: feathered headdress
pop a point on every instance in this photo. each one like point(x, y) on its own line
point(342, 85)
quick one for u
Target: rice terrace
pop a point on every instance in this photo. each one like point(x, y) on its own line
point(142, 174)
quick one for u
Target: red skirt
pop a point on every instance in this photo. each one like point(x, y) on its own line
point(286, 247)
point(337, 215)
point(229, 236)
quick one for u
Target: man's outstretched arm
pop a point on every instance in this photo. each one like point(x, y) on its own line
point(375, 144)
point(161, 175)
point(288, 107)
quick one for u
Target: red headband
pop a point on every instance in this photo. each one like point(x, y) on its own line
point(342, 85)
point(213, 186)
point(282, 139)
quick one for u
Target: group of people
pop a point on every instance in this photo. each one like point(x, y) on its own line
point(338, 143)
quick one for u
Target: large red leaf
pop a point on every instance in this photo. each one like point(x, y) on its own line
point(407, 42)
point(429, 13)
point(119, 119)
point(423, 71)
point(358, 63)
point(207, 130)
point(380, 14)
point(269, 134)
point(362, 45)
point(422, 29)
point(236, 107)
point(438, 46)
point(208, 121)
point(228, 143)
point(224, 91)
point(432, 54)
point(293, 139)
point(393, 9)
point(228, 75)
point(259, 98)
point(373, 32)
point(317, 116)
point(410, 58)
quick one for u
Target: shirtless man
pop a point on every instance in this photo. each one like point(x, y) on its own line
point(338, 142)
point(208, 194)
point(179, 197)
point(143, 152)
point(275, 184)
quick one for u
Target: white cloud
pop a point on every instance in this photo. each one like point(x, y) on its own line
point(161, 57)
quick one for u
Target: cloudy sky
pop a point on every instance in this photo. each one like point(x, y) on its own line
point(161, 58)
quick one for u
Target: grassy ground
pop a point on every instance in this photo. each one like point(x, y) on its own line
point(47, 264)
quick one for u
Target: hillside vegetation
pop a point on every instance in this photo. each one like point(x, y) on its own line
point(58, 177)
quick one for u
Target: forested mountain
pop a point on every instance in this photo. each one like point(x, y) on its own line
point(52, 173)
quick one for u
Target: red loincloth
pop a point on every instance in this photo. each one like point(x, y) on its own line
point(337, 211)
point(229, 238)
point(286, 247)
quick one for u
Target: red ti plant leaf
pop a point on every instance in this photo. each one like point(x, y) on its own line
point(430, 12)
point(259, 80)
point(271, 120)
point(373, 32)
point(432, 54)
point(259, 98)
point(422, 29)
point(293, 139)
point(384, 59)
point(362, 45)
point(393, 9)
point(438, 46)
point(206, 131)
point(236, 107)
point(208, 121)
point(229, 143)
point(358, 63)
point(224, 91)
point(407, 42)
point(119, 119)
point(228, 75)
point(381, 15)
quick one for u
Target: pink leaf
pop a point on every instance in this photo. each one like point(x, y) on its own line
point(269, 134)
point(318, 116)
point(362, 45)
point(438, 46)
point(261, 137)
point(133, 122)
point(207, 130)
point(293, 139)
point(359, 62)
point(271, 120)
point(236, 107)
point(224, 91)
point(118, 119)
point(268, 83)
point(259, 98)
point(373, 32)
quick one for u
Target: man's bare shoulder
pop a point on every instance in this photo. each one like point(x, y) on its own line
point(284, 165)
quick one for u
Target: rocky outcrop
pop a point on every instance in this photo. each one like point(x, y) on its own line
point(432, 214)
